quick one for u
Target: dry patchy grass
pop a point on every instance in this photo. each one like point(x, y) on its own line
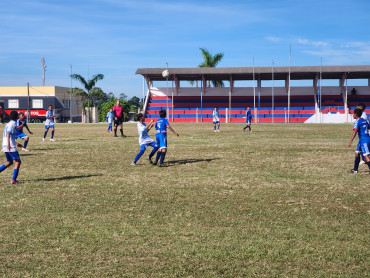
point(276, 202)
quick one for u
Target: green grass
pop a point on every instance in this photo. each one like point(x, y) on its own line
point(277, 202)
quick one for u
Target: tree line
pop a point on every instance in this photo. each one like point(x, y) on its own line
point(92, 96)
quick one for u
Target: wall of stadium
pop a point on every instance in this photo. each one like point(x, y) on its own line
point(248, 91)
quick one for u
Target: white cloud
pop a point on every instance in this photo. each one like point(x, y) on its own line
point(273, 39)
point(352, 44)
point(343, 53)
point(218, 13)
point(333, 52)
point(304, 41)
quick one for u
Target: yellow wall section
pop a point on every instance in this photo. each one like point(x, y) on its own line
point(22, 91)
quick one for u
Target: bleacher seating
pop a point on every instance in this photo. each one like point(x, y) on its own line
point(185, 108)
point(356, 99)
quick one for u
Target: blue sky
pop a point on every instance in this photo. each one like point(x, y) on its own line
point(115, 37)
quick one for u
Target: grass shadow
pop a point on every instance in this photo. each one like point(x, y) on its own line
point(70, 177)
point(190, 160)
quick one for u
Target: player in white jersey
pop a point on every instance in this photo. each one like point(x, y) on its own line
point(9, 146)
point(364, 116)
point(49, 123)
point(109, 118)
point(216, 119)
point(144, 139)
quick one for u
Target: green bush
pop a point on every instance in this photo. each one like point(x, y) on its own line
point(109, 104)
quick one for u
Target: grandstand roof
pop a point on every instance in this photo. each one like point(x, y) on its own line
point(265, 73)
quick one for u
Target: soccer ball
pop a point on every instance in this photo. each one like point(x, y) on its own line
point(166, 74)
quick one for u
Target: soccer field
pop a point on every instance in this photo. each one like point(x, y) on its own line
point(276, 202)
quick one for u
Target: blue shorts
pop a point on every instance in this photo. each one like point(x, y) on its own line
point(49, 126)
point(144, 146)
point(20, 135)
point(248, 121)
point(363, 147)
point(217, 122)
point(358, 149)
point(10, 156)
point(161, 140)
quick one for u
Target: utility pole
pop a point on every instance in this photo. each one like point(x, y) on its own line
point(43, 71)
point(70, 100)
point(273, 112)
point(28, 102)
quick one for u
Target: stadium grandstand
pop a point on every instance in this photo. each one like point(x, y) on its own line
point(291, 104)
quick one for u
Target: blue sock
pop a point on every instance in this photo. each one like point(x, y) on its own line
point(46, 132)
point(15, 174)
point(157, 157)
point(153, 152)
point(2, 168)
point(25, 144)
point(138, 156)
point(52, 134)
point(163, 155)
point(214, 127)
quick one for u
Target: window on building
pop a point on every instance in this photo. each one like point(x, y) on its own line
point(37, 103)
point(13, 103)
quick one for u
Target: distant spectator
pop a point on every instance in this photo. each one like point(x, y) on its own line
point(353, 92)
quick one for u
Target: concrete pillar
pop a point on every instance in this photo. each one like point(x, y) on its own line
point(230, 92)
point(204, 84)
point(287, 83)
point(315, 88)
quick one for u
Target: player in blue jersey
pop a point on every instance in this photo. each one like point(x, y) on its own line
point(248, 119)
point(110, 116)
point(361, 127)
point(364, 116)
point(49, 123)
point(144, 139)
point(216, 120)
point(161, 137)
point(21, 123)
point(9, 147)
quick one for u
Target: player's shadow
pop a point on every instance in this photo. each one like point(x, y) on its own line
point(189, 160)
point(70, 177)
point(26, 154)
point(50, 149)
point(70, 140)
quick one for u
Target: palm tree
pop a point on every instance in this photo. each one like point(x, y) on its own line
point(90, 91)
point(211, 62)
point(79, 93)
